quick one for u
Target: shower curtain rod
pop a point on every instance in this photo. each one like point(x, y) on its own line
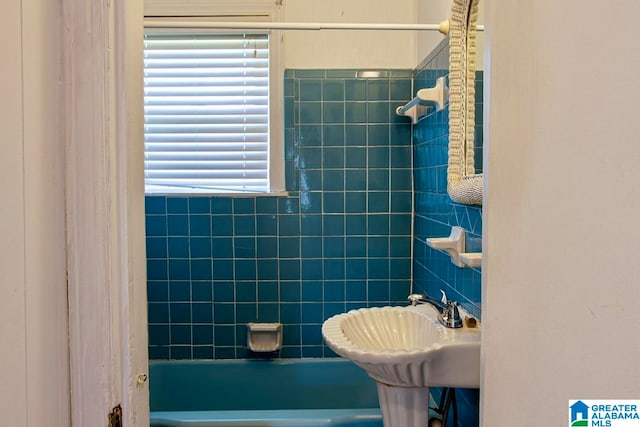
point(155, 22)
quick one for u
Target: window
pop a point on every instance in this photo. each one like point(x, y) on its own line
point(212, 111)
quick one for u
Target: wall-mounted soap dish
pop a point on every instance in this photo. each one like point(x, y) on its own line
point(264, 337)
point(455, 245)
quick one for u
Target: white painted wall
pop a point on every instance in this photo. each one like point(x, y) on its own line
point(350, 49)
point(34, 359)
point(560, 285)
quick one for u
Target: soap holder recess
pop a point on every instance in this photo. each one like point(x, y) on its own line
point(264, 337)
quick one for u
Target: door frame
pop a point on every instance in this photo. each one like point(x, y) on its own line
point(106, 262)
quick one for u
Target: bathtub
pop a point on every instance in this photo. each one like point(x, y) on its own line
point(259, 393)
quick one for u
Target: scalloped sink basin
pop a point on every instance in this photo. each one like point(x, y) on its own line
point(406, 346)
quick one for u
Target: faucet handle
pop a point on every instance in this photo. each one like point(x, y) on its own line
point(414, 299)
point(444, 297)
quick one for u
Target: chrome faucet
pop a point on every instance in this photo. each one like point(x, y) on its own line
point(448, 313)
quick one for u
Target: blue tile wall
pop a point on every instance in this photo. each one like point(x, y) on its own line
point(435, 213)
point(340, 240)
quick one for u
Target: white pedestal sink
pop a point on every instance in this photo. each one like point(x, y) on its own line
point(406, 350)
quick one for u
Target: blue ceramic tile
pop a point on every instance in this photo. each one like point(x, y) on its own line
point(310, 157)
point(355, 112)
point(178, 247)
point(221, 205)
point(333, 202)
point(355, 224)
point(356, 90)
point(222, 247)
point(158, 312)
point(378, 90)
point(201, 291)
point(333, 135)
point(378, 135)
point(312, 313)
point(179, 269)
point(244, 247)
point(266, 225)
point(177, 205)
point(289, 247)
point(333, 157)
point(221, 225)
point(378, 268)
point(244, 206)
point(244, 225)
point(378, 201)
point(310, 135)
point(378, 291)
point(400, 90)
point(311, 90)
point(268, 312)
point(378, 179)
point(156, 225)
point(266, 205)
point(356, 269)
point(180, 312)
point(311, 225)
point(310, 112)
point(199, 225)
point(333, 225)
point(289, 225)
point(332, 180)
point(311, 335)
point(401, 179)
point(200, 247)
point(310, 180)
point(378, 157)
point(267, 247)
point(267, 291)
point(378, 224)
point(224, 313)
point(177, 225)
point(156, 247)
point(288, 205)
point(155, 205)
point(399, 268)
point(159, 334)
point(333, 247)
point(356, 246)
point(290, 313)
point(179, 290)
point(378, 112)
point(223, 292)
point(333, 90)
point(333, 112)
point(356, 135)
point(245, 269)
point(199, 205)
point(334, 269)
point(311, 270)
point(400, 224)
point(356, 202)
point(310, 247)
point(157, 291)
point(290, 291)
point(355, 157)
point(400, 246)
point(267, 269)
point(225, 335)
point(222, 269)
point(310, 202)
point(312, 291)
point(355, 180)
point(356, 290)
point(289, 269)
point(202, 312)
point(224, 353)
point(201, 269)
point(157, 269)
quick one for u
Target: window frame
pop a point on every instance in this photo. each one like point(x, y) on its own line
point(237, 11)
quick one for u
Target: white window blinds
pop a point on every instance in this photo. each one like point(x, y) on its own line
point(206, 109)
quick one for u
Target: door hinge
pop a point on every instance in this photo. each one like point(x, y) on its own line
point(115, 417)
